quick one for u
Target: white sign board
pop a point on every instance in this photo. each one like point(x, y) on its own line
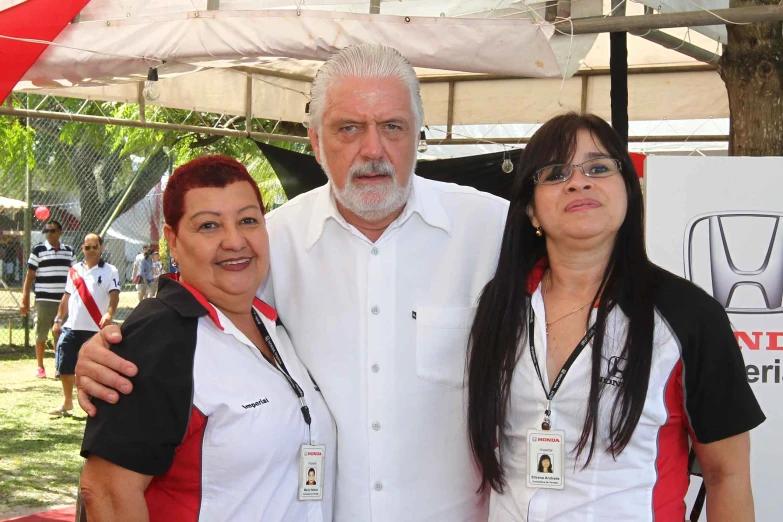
point(719, 223)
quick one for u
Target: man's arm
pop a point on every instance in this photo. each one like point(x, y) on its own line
point(62, 312)
point(114, 301)
point(725, 467)
point(98, 370)
point(24, 309)
point(112, 493)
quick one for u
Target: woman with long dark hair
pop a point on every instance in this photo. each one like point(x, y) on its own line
point(580, 336)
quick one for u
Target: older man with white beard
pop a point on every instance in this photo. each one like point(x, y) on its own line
point(376, 275)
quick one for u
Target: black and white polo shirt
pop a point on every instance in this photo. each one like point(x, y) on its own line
point(51, 270)
point(210, 418)
point(697, 391)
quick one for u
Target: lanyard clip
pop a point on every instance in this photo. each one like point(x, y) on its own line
point(547, 424)
point(305, 411)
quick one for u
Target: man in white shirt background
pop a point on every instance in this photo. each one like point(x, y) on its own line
point(376, 275)
point(141, 287)
point(92, 293)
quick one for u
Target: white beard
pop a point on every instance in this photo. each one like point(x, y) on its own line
point(371, 203)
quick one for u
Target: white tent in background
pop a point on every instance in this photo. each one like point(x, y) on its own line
point(480, 61)
point(12, 203)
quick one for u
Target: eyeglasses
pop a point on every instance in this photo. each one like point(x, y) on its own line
point(594, 168)
point(50, 231)
point(90, 247)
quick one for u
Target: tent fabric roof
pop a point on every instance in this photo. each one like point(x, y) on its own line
point(12, 203)
point(213, 55)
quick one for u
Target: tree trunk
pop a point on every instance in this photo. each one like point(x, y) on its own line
point(752, 68)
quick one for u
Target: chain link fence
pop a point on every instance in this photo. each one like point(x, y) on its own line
point(94, 178)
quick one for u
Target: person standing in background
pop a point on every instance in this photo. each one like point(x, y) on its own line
point(157, 271)
point(91, 296)
point(47, 271)
point(147, 276)
point(136, 273)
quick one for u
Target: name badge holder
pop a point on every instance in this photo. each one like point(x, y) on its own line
point(545, 446)
point(312, 457)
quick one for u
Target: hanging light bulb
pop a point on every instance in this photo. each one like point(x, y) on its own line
point(306, 119)
point(422, 147)
point(508, 165)
point(151, 90)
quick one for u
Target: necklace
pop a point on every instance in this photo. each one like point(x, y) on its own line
point(549, 323)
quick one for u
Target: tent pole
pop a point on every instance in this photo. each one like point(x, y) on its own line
point(676, 44)
point(524, 140)
point(375, 6)
point(613, 24)
point(28, 222)
point(85, 118)
point(618, 68)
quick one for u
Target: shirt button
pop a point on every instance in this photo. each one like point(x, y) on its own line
point(376, 368)
point(375, 251)
point(378, 486)
point(375, 310)
point(376, 426)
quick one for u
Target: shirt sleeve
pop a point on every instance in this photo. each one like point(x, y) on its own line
point(32, 262)
point(69, 286)
point(143, 430)
point(114, 284)
point(719, 401)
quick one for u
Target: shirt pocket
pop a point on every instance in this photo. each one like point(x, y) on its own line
point(442, 344)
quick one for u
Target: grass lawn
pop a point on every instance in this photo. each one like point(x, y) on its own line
point(39, 454)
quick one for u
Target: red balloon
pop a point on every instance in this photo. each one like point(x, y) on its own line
point(42, 213)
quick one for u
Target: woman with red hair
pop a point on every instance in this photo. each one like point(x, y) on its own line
point(225, 421)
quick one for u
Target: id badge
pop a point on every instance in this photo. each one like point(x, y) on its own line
point(311, 472)
point(545, 458)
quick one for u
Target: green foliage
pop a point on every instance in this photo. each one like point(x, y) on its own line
point(94, 163)
point(163, 253)
point(16, 151)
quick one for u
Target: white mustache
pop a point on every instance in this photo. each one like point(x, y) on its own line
point(379, 168)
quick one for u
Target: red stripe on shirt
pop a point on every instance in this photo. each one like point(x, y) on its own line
point(176, 496)
point(671, 464)
point(265, 309)
point(199, 297)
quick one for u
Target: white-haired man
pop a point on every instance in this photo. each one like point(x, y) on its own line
point(376, 276)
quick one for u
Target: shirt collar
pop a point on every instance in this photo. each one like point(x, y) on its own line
point(620, 293)
point(423, 201)
point(189, 302)
point(100, 264)
point(49, 245)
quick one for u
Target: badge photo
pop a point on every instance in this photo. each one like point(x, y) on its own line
point(546, 459)
point(311, 472)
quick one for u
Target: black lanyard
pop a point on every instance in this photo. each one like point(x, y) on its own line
point(563, 371)
point(281, 366)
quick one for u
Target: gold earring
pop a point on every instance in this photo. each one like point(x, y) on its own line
point(539, 232)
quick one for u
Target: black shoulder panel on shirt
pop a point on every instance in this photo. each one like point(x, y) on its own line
point(142, 431)
point(718, 398)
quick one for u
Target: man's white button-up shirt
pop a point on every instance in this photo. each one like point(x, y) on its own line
point(383, 328)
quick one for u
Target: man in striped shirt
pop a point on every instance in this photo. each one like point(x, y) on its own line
point(47, 269)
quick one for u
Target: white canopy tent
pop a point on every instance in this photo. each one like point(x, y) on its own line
point(480, 61)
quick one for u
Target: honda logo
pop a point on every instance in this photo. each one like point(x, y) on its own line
point(726, 277)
